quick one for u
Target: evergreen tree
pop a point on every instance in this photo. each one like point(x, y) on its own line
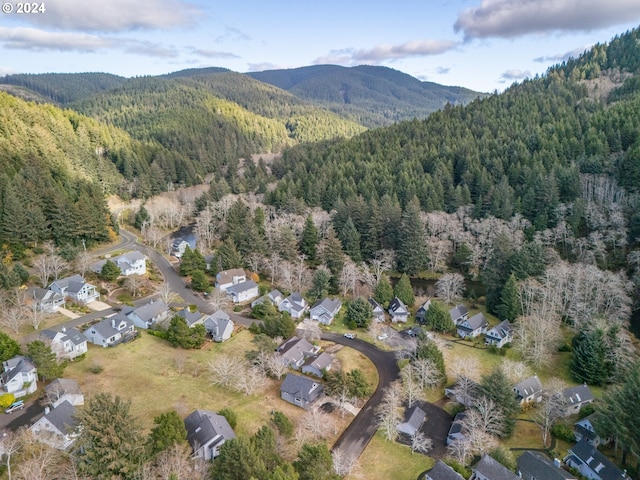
point(350, 239)
point(309, 240)
point(9, 348)
point(509, 307)
point(412, 252)
point(278, 325)
point(199, 281)
point(497, 387)
point(227, 256)
point(45, 360)
point(383, 293)
point(314, 462)
point(320, 287)
point(437, 318)
point(238, 460)
point(141, 218)
point(427, 349)
point(110, 271)
point(332, 254)
point(109, 444)
point(230, 416)
point(359, 313)
point(180, 335)
point(590, 362)
point(168, 430)
point(191, 261)
point(404, 291)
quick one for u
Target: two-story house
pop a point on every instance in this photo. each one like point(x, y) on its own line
point(76, 289)
point(111, 331)
point(148, 315)
point(207, 431)
point(66, 343)
point(295, 305)
point(398, 311)
point(472, 327)
point(19, 376)
point(500, 335)
point(227, 278)
point(130, 263)
point(325, 310)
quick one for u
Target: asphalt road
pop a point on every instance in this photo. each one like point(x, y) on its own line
point(361, 430)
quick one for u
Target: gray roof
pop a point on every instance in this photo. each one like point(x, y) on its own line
point(42, 294)
point(105, 327)
point(578, 395)
point(375, 305)
point(424, 307)
point(493, 469)
point(299, 387)
point(457, 426)
point(442, 471)
point(218, 319)
point(458, 311)
point(67, 281)
point(320, 362)
point(535, 465)
point(227, 276)
point(501, 330)
point(596, 461)
point(529, 386)
point(475, 322)
point(295, 348)
point(397, 304)
point(242, 287)
point(62, 386)
point(16, 365)
point(62, 417)
point(151, 310)
point(331, 306)
point(189, 316)
point(414, 416)
point(204, 425)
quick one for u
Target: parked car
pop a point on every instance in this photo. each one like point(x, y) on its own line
point(384, 336)
point(17, 405)
point(350, 335)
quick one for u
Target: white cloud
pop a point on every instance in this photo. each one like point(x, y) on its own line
point(34, 39)
point(115, 15)
point(514, 74)
point(203, 52)
point(443, 70)
point(385, 52)
point(261, 67)
point(513, 18)
point(561, 57)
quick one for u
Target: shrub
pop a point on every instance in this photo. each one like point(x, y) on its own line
point(230, 415)
point(563, 432)
point(6, 400)
point(96, 368)
point(282, 423)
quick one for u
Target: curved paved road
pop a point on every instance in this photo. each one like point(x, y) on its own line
point(361, 430)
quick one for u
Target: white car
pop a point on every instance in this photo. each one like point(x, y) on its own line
point(383, 337)
point(350, 335)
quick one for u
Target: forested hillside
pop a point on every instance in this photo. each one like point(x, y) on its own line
point(372, 95)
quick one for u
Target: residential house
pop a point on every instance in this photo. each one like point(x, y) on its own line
point(458, 314)
point(192, 318)
point(398, 310)
point(325, 310)
point(472, 327)
point(295, 305)
point(44, 300)
point(457, 430)
point(295, 350)
point(421, 313)
point(529, 390)
point(500, 335)
point(464, 391)
point(111, 331)
point(574, 398)
point(378, 311)
point(130, 263)
point(413, 419)
point(442, 471)
point(537, 466)
point(592, 464)
point(219, 325)
point(300, 391)
point(206, 433)
point(584, 428)
point(19, 376)
point(66, 343)
point(316, 366)
point(56, 427)
point(76, 289)
point(489, 469)
point(149, 314)
point(64, 390)
point(243, 291)
point(275, 297)
point(180, 244)
point(227, 278)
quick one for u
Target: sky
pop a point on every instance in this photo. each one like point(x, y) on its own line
point(484, 45)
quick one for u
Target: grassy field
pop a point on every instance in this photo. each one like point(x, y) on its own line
point(383, 460)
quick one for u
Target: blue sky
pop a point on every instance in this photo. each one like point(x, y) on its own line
point(484, 45)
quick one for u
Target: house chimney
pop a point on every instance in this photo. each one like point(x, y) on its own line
point(113, 323)
point(47, 410)
point(556, 462)
point(64, 329)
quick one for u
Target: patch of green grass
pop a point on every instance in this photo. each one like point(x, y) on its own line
point(125, 297)
point(351, 359)
point(384, 460)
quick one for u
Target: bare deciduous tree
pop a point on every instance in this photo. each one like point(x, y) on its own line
point(13, 318)
point(426, 372)
point(515, 371)
point(309, 330)
point(134, 283)
point(486, 416)
point(389, 411)
point(420, 443)
point(166, 294)
point(450, 287)
point(83, 262)
point(218, 300)
point(411, 387)
point(537, 337)
point(343, 463)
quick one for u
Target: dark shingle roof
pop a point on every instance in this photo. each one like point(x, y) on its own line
point(299, 387)
point(62, 417)
point(596, 461)
point(442, 471)
point(204, 425)
point(493, 469)
point(535, 465)
point(578, 395)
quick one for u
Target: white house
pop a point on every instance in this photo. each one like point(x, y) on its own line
point(458, 314)
point(295, 305)
point(472, 327)
point(316, 366)
point(130, 263)
point(206, 433)
point(64, 389)
point(325, 310)
point(592, 464)
point(227, 278)
point(413, 419)
point(19, 376)
point(296, 350)
point(180, 244)
point(529, 390)
point(111, 331)
point(499, 335)
point(75, 288)
point(67, 343)
point(274, 297)
point(219, 326)
point(148, 315)
point(56, 426)
point(490, 469)
point(398, 310)
point(243, 291)
point(44, 300)
point(377, 310)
